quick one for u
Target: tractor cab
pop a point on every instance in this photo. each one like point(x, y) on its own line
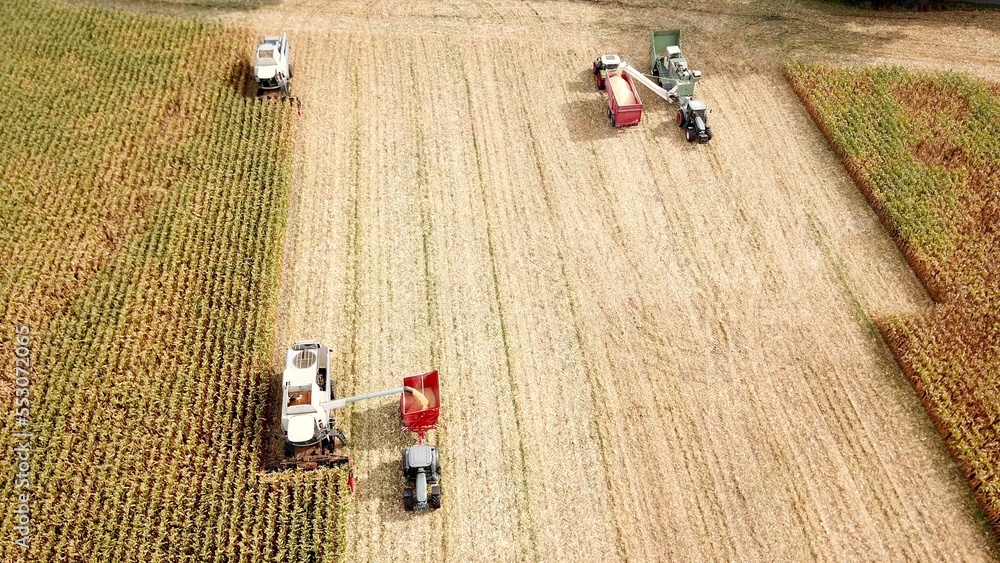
point(421, 469)
point(605, 66)
point(692, 118)
point(697, 107)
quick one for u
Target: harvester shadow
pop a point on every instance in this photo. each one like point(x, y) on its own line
point(271, 443)
point(379, 429)
point(239, 79)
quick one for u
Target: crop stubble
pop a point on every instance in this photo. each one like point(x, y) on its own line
point(648, 348)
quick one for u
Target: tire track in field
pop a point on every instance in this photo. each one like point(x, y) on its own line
point(591, 380)
point(433, 316)
point(525, 507)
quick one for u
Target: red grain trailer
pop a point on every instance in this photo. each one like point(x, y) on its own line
point(624, 105)
point(419, 418)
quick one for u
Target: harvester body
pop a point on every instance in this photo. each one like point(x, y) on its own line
point(306, 386)
point(272, 68)
point(669, 65)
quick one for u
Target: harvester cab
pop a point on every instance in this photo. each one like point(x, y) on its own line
point(272, 68)
point(306, 387)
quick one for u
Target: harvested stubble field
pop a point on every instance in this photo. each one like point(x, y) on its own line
point(649, 349)
point(925, 148)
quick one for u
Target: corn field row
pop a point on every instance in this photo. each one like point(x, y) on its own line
point(925, 150)
point(142, 225)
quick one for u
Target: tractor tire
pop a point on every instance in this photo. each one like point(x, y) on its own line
point(594, 68)
point(708, 134)
point(690, 135)
point(434, 499)
point(408, 499)
point(655, 71)
point(681, 122)
point(289, 449)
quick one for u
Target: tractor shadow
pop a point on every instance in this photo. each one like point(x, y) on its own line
point(377, 428)
point(584, 84)
point(383, 488)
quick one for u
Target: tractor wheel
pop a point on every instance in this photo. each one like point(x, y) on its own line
point(408, 499)
point(690, 135)
point(681, 122)
point(289, 449)
point(434, 499)
point(594, 67)
point(655, 71)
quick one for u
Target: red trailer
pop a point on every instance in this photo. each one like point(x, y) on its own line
point(624, 105)
point(419, 418)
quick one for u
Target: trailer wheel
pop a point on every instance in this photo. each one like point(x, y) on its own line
point(434, 499)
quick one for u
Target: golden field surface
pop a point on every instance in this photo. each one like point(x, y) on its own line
point(649, 349)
